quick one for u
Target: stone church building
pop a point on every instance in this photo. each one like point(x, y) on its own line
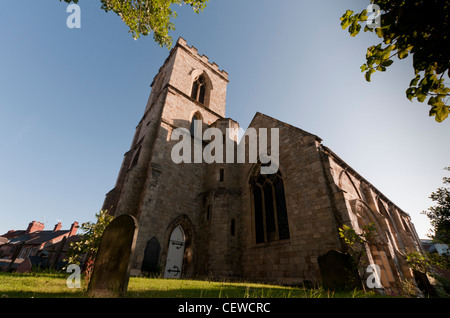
point(228, 220)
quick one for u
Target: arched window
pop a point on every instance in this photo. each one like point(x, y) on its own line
point(136, 157)
point(199, 89)
point(196, 126)
point(269, 204)
point(382, 209)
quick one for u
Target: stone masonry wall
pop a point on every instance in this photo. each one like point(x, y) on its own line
point(311, 222)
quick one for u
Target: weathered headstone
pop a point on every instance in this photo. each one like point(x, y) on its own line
point(25, 266)
point(58, 253)
point(424, 284)
point(15, 255)
point(112, 263)
point(338, 271)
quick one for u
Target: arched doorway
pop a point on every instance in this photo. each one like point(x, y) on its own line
point(175, 254)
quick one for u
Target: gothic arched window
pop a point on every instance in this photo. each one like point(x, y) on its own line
point(136, 157)
point(269, 204)
point(199, 89)
point(196, 126)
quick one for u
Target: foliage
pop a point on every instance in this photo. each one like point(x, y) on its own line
point(353, 239)
point(144, 16)
point(428, 262)
point(356, 241)
point(89, 243)
point(411, 27)
point(439, 214)
point(431, 264)
point(441, 261)
point(408, 288)
point(417, 261)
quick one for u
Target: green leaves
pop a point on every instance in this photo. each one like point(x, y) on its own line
point(387, 63)
point(402, 54)
point(428, 85)
point(439, 213)
point(355, 241)
point(352, 22)
point(407, 32)
point(145, 16)
point(345, 19)
point(377, 59)
point(440, 111)
point(369, 74)
point(90, 239)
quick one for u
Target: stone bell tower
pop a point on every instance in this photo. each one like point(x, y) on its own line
point(163, 195)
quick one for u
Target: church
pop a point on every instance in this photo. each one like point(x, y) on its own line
point(226, 220)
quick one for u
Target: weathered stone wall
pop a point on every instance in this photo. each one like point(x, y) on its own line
point(189, 64)
point(366, 205)
point(311, 221)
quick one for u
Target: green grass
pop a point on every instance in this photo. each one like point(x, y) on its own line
point(50, 285)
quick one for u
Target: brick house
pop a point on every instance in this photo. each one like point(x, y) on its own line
point(34, 239)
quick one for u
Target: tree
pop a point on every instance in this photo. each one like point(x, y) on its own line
point(410, 27)
point(145, 16)
point(356, 242)
point(439, 214)
point(89, 243)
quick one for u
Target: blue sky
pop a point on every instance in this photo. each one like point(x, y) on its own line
point(70, 99)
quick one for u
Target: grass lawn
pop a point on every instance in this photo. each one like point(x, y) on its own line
point(43, 285)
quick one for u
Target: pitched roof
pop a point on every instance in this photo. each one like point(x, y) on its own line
point(330, 153)
point(258, 114)
point(12, 234)
point(37, 238)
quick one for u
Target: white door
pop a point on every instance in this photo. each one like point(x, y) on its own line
point(175, 254)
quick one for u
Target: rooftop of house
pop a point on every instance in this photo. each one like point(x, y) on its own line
point(36, 235)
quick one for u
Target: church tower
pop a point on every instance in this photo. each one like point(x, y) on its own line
point(219, 219)
point(182, 209)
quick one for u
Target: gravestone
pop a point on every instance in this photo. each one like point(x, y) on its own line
point(338, 271)
point(24, 267)
point(424, 284)
point(58, 253)
point(112, 263)
point(15, 255)
point(151, 256)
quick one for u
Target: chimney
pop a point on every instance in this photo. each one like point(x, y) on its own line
point(57, 227)
point(73, 228)
point(35, 226)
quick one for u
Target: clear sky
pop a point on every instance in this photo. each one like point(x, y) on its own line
point(70, 99)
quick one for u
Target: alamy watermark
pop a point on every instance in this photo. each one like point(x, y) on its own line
point(222, 150)
point(74, 279)
point(74, 19)
point(374, 16)
point(374, 279)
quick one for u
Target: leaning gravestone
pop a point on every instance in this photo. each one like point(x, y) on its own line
point(338, 271)
point(25, 266)
point(111, 270)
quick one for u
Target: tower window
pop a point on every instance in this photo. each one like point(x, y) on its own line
point(196, 126)
point(208, 213)
point(221, 175)
point(270, 213)
point(136, 157)
point(233, 227)
point(199, 89)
